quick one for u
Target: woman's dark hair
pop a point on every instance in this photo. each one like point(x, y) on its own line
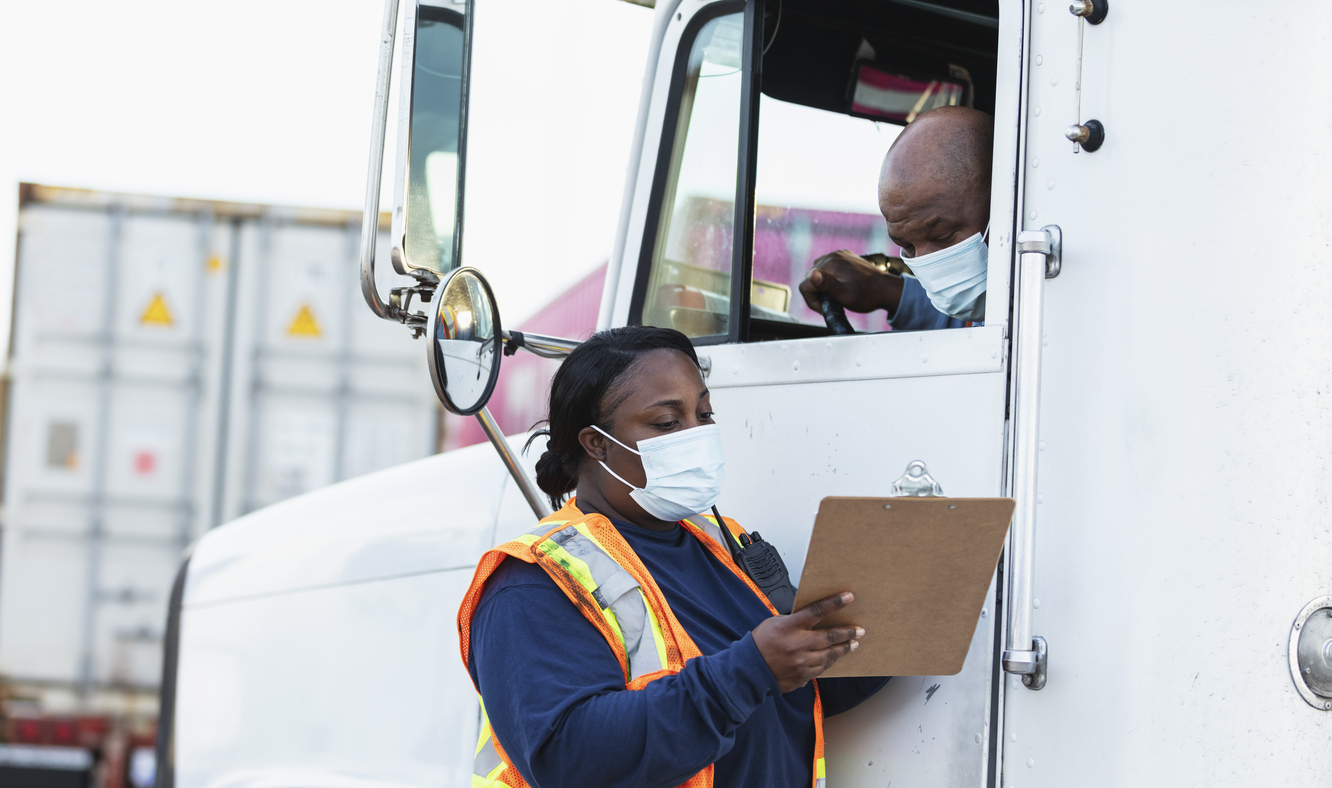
point(580, 397)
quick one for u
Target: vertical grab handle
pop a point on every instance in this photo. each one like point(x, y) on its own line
point(375, 171)
point(1038, 260)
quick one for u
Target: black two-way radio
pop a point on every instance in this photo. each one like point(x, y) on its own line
point(763, 564)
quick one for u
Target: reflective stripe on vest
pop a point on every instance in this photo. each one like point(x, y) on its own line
point(600, 573)
point(487, 765)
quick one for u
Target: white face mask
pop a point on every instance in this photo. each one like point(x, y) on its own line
point(684, 472)
point(954, 278)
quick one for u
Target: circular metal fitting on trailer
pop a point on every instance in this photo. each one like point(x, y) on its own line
point(1090, 135)
point(1093, 11)
point(1311, 653)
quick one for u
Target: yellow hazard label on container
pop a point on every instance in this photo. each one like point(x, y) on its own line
point(305, 324)
point(157, 313)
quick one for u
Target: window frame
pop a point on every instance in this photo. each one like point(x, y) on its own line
point(747, 149)
point(1006, 205)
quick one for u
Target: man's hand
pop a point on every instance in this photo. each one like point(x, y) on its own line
point(852, 282)
point(797, 652)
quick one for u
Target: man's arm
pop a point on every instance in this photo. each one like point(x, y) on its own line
point(852, 282)
point(861, 287)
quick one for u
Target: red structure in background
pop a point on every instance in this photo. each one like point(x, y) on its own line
point(520, 395)
point(117, 746)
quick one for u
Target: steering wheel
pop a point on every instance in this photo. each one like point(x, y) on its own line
point(834, 314)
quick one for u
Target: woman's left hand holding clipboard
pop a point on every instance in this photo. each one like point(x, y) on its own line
point(797, 652)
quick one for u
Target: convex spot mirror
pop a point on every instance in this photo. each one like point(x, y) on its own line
point(465, 342)
point(427, 205)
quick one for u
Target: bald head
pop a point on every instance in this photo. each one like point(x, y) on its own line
point(934, 187)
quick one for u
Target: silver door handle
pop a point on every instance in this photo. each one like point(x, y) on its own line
point(1038, 260)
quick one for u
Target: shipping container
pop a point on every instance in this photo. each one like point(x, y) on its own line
point(173, 365)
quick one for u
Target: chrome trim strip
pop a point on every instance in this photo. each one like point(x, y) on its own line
point(375, 170)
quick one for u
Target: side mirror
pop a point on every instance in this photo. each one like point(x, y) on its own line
point(465, 342)
point(463, 350)
point(463, 331)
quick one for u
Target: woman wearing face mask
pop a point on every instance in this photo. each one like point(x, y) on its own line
point(618, 643)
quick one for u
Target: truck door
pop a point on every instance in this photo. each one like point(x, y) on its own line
point(764, 126)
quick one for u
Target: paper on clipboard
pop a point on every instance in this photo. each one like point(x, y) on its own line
point(919, 568)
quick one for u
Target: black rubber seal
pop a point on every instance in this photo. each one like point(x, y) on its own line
point(1099, 9)
point(166, 716)
point(1095, 136)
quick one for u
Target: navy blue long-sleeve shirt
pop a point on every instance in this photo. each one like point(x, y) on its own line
point(916, 313)
point(555, 694)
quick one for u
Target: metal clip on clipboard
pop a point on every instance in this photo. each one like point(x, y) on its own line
point(916, 483)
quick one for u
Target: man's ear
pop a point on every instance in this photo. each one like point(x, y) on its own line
point(594, 443)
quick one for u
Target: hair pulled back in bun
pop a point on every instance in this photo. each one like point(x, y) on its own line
point(578, 396)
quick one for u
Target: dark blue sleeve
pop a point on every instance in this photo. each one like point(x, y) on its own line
point(848, 692)
point(916, 313)
point(556, 700)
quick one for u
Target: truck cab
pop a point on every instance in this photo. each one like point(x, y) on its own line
point(1149, 395)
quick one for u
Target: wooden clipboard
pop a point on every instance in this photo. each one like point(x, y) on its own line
point(920, 569)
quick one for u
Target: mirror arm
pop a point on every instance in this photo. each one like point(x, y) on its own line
point(538, 344)
point(539, 505)
point(374, 176)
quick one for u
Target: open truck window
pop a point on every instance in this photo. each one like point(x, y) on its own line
point(689, 284)
point(836, 84)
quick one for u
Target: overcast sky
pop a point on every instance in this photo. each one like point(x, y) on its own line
point(269, 101)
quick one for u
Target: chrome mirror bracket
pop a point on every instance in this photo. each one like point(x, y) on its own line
point(538, 344)
point(400, 301)
point(529, 490)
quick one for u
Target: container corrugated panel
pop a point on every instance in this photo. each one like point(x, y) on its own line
point(174, 365)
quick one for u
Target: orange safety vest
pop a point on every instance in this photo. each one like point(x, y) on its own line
point(600, 573)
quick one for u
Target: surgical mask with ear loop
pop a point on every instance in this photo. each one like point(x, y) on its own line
point(684, 477)
point(954, 278)
point(684, 472)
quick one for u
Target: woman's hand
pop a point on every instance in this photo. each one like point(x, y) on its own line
point(797, 652)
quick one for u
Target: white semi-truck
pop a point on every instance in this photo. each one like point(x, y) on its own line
point(1150, 383)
